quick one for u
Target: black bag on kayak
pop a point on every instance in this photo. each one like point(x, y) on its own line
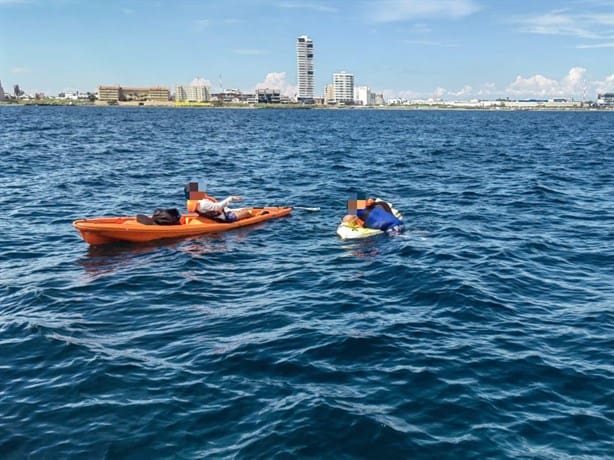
point(166, 216)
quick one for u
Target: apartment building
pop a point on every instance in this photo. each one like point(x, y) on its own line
point(343, 87)
point(304, 69)
point(119, 93)
point(192, 93)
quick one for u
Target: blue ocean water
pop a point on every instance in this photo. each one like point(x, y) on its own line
point(486, 330)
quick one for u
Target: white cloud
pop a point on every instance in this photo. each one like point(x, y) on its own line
point(537, 85)
point(597, 26)
point(201, 82)
point(557, 23)
point(606, 19)
point(407, 95)
point(488, 89)
point(596, 45)
point(308, 6)
point(439, 93)
point(573, 84)
point(465, 91)
point(20, 70)
point(574, 80)
point(420, 29)
point(407, 10)
point(202, 23)
point(576, 84)
point(277, 80)
point(605, 86)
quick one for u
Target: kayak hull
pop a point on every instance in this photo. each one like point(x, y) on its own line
point(106, 230)
point(349, 232)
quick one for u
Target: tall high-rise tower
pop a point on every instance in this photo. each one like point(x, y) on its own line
point(304, 69)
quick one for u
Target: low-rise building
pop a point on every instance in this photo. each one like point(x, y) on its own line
point(329, 94)
point(268, 96)
point(234, 96)
point(108, 93)
point(119, 93)
point(605, 100)
point(74, 95)
point(159, 94)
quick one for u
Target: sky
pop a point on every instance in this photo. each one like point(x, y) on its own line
point(411, 49)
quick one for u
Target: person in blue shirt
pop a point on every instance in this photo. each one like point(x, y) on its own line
point(378, 215)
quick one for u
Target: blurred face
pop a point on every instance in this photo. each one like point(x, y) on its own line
point(354, 205)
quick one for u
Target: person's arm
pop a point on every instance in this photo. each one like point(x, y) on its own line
point(206, 205)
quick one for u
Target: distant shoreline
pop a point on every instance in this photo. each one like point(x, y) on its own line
point(425, 107)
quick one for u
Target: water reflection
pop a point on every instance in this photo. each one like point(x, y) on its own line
point(364, 247)
point(108, 259)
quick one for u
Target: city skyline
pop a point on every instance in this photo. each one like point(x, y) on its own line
point(414, 49)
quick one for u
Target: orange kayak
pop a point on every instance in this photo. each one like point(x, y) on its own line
point(104, 230)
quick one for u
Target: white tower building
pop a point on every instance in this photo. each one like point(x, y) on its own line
point(363, 95)
point(198, 92)
point(343, 85)
point(304, 69)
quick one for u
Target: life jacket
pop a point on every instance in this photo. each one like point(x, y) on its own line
point(353, 222)
point(377, 218)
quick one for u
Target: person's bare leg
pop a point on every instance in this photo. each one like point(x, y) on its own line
point(243, 214)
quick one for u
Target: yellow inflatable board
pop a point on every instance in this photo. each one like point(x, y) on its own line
point(349, 232)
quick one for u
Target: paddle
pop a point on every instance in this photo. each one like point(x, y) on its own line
point(300, 208)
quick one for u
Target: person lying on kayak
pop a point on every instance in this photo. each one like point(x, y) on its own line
point(219, 210)
point(207, 206)
point(376, 215)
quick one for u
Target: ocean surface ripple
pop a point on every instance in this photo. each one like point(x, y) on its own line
point(486, 330)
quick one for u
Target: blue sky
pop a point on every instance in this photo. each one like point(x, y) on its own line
point(416, 49)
